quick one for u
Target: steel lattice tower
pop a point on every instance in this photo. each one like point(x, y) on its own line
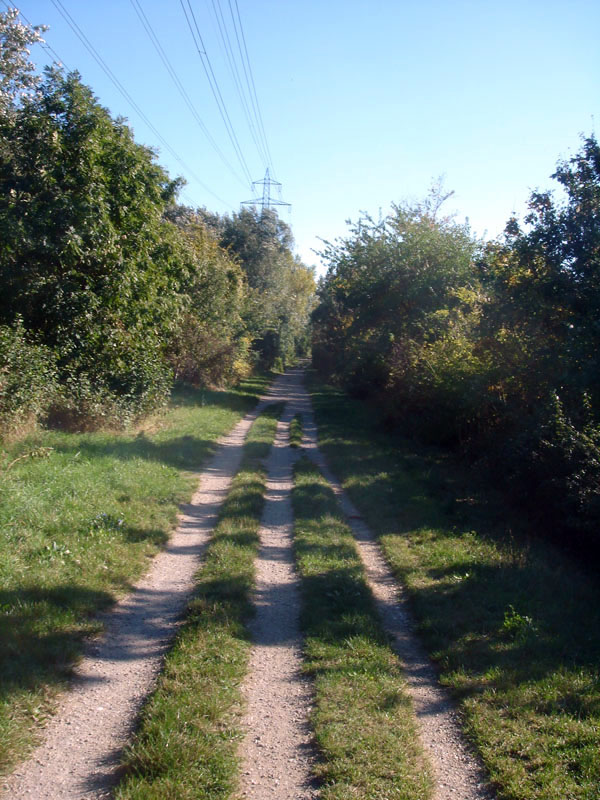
point(267, 200)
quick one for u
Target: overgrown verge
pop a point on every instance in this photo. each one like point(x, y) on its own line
point(103, 274)
point(187, 740)
point(79, 517)
point(28, 380)
point(513, 624)
point(490, 350)
point(363, 719)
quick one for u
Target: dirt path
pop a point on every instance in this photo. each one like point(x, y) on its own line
point(457, 773)
point(277, 753)
point(79, 757)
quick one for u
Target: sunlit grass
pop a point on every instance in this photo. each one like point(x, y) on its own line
point(513, 625)
point(187, 740)
point(78, 524)
point(296, 431)
point(363, 719)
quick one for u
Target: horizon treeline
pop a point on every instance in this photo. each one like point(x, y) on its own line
point(492, 349)
point(111, 291)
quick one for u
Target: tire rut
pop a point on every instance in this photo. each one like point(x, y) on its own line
point(82, 743)
point(79, 757)
point(277, 753)
point(457, 771)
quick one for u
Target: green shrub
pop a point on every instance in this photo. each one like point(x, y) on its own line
point(27, 379)
point(125, 381)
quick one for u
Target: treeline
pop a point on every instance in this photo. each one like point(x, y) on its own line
point(493, 350)
point(109, 290)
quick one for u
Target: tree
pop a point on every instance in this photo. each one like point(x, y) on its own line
point(280, 287)
point(385, 285)
point(87, 260)
point(541, 328)
point(17, 73)
point(210, 344)
point(544, 287)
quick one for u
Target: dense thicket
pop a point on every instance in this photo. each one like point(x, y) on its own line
point(492, 350)
point(280, 288)
point(111, 289)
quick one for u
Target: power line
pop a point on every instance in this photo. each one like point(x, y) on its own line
point(176, 80)
point(235, 74)
point(201, 49)
point(253, 93)
point(113, 78)
point(267, 201)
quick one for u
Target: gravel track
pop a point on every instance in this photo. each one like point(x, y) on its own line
point(277, 753)
point(457, 772)
point(79, 757)
point(83, 742)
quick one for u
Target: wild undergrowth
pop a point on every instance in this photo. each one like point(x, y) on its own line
point(363, 719)
point(186, 743)
point(512, 623)
point(80, 515)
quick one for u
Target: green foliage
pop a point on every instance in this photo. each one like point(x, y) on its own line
point(128, 290)
point(381, 301)
point(541, 333)
point(88, 262)
point(517, 627)
point(281, 288)
point(17, 75)
point(27, 379)
point(513, 623)
point(495, 351)
point(210, 344)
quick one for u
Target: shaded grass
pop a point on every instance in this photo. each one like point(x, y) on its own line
point(187, 739)
point(77, 528)
point(513, 625)
point(363, 719)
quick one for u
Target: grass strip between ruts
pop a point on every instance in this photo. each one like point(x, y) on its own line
point(78, 524)
point(363, 719)
point(513, 624)
point(296, 431)
point(187, 739)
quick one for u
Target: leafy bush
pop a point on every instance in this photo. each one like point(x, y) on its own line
point(208, 345)
point(27, 379)
point(131, 380)
point(490, 352)
point(567, 466)
point(89, 263)
point(199, 356)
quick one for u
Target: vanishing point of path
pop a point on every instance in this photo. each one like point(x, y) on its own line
point(80, 755)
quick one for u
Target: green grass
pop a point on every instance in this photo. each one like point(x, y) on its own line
point(296, 431)
point(363, 719)
point(513, 624)
point(187, 740)
point(78, 524)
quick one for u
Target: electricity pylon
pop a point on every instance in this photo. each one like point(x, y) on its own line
point(267, 200)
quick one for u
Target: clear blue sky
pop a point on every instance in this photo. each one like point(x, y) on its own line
point(363, 103)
